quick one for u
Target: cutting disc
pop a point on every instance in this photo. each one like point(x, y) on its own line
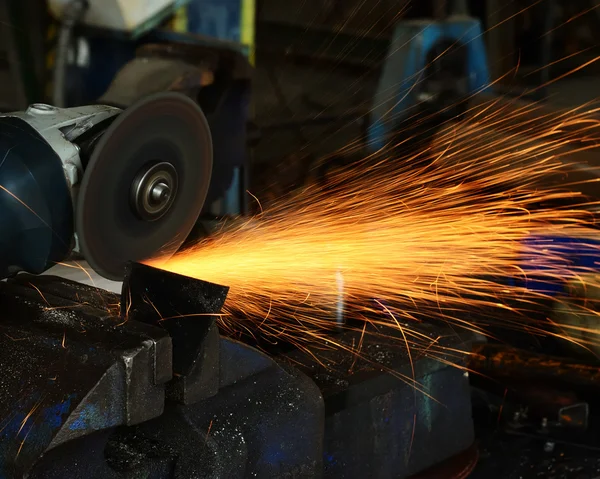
point(145, 184)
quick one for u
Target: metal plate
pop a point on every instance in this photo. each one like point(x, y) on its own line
point(166, 127)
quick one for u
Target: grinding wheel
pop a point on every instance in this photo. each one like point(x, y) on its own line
point(145, 184)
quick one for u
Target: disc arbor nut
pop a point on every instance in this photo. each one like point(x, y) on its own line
point(145, 183)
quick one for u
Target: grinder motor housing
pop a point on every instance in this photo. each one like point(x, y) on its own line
point(39, 174)
point(114, 185)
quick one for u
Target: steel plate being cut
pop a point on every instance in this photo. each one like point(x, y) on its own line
point(145, 184)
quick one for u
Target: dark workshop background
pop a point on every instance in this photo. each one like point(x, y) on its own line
point(321, 60)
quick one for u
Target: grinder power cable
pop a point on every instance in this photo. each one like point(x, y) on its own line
point(113, 185)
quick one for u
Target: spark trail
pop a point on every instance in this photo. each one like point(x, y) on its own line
point(411, 238)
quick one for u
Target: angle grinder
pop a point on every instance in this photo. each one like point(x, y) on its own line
point(112, 185)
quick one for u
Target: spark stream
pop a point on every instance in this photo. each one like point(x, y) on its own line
point(411, 239)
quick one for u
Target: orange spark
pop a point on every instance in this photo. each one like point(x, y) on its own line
point(209, 428)
point(423, 240)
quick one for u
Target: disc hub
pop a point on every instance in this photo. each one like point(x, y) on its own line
point(153, 190)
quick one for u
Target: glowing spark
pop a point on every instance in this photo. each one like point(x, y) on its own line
point(412, 437)
point(7, 191)
point(501, 406)
point(40, 293)
point(401, 329)
point(26, 418)
point(23, 442)
point(257, 200)
point(151, 304)
point(127, 309)
point(15, 339)
point(209, 428)
point(426, 240)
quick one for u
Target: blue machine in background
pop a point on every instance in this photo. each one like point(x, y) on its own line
point(545, 256)
point(431, 67)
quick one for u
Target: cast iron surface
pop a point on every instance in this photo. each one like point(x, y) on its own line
point(266, 421)
point(70, 367)
point(456, 467)
point(183, 307)
point(383, 418)
point(162, 127)
point(230, 410)
point(36, 212)
point(254, 418)
point(81, 386)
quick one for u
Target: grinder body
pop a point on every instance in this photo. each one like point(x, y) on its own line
point(39, 173)
point(114, 185)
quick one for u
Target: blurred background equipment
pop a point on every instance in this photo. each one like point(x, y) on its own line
point(119, 15)
point(431, 71)
point(122, 53)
